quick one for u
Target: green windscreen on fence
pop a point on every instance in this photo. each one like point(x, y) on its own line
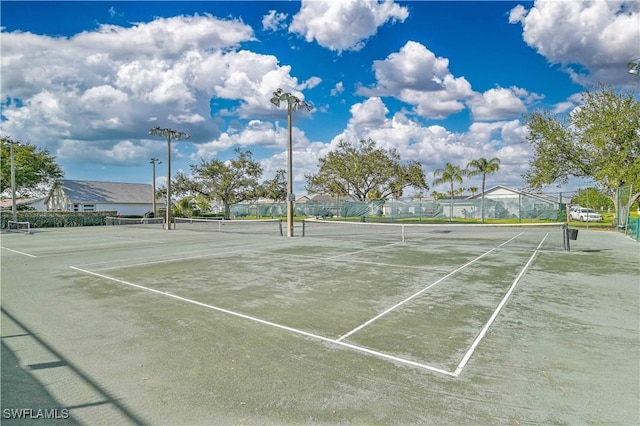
point(496, 206)
point(633, 228)
point(529, 236)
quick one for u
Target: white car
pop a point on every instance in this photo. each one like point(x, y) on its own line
point(584, 214)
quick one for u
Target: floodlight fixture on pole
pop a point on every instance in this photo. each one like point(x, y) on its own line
point(13, 179)
point(154, 161)
point(634, 67)
point(177, 136)
point(293, 104)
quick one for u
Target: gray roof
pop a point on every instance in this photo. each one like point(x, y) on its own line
point(328, 198)
point(544, 197)
point(8, 203)
point(86, 191)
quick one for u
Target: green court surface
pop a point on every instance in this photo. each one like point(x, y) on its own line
point(135, 325)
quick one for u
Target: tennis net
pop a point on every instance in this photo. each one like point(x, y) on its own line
point(548, 236)
point(19, 226)
point(154, 222)
point(249, 226)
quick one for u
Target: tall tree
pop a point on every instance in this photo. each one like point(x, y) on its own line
point(450, 174)
point(35, 168)
point(483, 167)
point(276, 188)
point(365, 172)
point(599, 140)
point(231, 182)
point(592, 197)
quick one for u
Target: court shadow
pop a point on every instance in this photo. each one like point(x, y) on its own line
point(22, 391)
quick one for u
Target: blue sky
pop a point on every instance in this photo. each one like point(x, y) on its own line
point(438, 81)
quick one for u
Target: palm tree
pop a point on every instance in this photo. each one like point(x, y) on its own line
point(450, 174)
point(483, 167)
point(202, 204)
point(183, 208)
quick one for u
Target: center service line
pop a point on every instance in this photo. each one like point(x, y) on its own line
point(272, 324)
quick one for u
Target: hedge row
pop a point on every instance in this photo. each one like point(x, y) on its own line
point(57, 219)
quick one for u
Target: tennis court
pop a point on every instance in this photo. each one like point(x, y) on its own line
point(218, 323)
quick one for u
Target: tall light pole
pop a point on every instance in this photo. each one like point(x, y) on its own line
point(154, 161)
point(293, 104)
point(175, 135)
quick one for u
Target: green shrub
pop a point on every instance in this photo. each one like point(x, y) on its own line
point(57, 219)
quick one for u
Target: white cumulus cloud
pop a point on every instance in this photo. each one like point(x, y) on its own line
point(100, 89)
point(344, 25)
point(274, 21)
point(592, 40)
point(416, 76)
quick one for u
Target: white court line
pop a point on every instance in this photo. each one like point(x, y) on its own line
point(540, 245)
point(509, 240)
point(484, 330)
point(19, 252)
point(348, 261)
point(362, 251)
point(493, 317)
point(272, 324)
point(413, 296)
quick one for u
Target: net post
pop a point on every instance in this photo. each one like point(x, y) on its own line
point(280, 227)
point(402, 233)
point(565, 234)
point(304, 226)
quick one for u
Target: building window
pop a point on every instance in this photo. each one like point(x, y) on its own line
point(76, 207)
point(89, 207)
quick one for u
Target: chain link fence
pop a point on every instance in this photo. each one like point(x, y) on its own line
point(618, 211)
point(504, 205)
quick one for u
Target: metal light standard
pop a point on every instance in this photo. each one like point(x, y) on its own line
point(154, 161)
point(175, 135)
point(293, 104)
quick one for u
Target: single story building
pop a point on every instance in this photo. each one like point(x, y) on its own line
point(90, 196)
point(503, 202)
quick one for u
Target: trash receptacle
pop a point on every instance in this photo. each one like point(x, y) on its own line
point(573, 234)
